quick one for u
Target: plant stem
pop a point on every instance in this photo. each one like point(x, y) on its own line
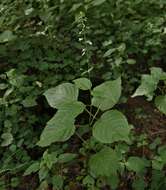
point(94, 117)
point(89, 112)
point(80, 137)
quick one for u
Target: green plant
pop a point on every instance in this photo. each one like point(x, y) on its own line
point(148, 86)
point(112, 125)
point(45, 43)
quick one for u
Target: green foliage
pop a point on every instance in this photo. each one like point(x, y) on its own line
point(64, 97)
point(83, 83)
point(7, 139)
point(104, 163)
point(7, 36)
point(57, 182)
point(111, 95)
point(64, 93)
point(137, 164)
point(111, 127)
point(104, 47)
point(149, 83)
point(160, 102)
point(32, 168)
point(61, 127)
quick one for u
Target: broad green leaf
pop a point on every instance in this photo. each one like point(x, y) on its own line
point(66, 157)
point(7, 139)
point(7, 36)
point(58, 131)
point(83, 83)
point(61, 127)
point(14, 182)
point(8, 92)
point(88, 180)
point(15, 79)
point(109, 52)
point(157, 73)
point(121, 47)
point(57, 181)
point(104, 163)
point(111, 127)
point(29, 101)
point(72, 109)
point(147, 87)
point(157, 163)
point(163, 76)
point(43, 184)
point(75, 7)
point(28, 11)
point(158, 180)
point(49, 159)
point(139, 183)
point(98, 2)
point(61, 94)
point(113, 181)
point(162, 153)
point(137, 164)
point(3, 86)
point(131, 61)
point(121, 149)
point(160, 102)
point(149, 83)
point(32, 168)
point(107, 43)
point(107, 94)
point(43, 173)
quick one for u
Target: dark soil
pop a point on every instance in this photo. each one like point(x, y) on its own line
point(146, 118)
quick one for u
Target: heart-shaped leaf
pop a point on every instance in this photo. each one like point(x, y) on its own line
point(107, 94)
point(104, 163)
point(61, 94)
point(111, 127)
point(61, 127)
point(137, 164)
point(83, 83)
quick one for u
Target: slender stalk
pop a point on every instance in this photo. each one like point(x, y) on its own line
point(89, 112)
point(94, 117)
point(80, 137)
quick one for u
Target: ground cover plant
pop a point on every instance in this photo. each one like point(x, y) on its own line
point(82, 95)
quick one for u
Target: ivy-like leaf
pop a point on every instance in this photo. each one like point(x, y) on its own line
point(160, 102)
point(104, 163)
point(61, 94)
point(61, 127)
point(83, 83)
point(107, 94)
point(111, 127)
